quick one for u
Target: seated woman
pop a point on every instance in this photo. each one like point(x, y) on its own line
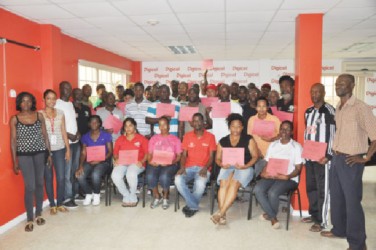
point(129, 141)
point(270, 187)
point(162, 172)
point(95, 168)
point(232, 176)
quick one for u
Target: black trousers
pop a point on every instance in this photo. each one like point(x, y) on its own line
point(346, 190)
point(315, 179)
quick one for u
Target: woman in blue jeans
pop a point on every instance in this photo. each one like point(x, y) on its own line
point(271, 186)
point(95, 169)
point(232, 177)
point(55, 125)
point(162, 173)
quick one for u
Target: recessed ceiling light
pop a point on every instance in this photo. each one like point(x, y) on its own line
point(178, 50)
point(152, 22)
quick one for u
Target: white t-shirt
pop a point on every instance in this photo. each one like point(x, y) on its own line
point(70, 116)
point(220, 127)
point(291, 151)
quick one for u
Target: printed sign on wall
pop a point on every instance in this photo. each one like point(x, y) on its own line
point(370, 92)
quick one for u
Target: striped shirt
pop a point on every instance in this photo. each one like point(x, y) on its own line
point(320, 126)
point(139, 111)
point(355, 124)
point(174, 122)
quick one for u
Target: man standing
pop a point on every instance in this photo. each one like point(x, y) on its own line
point(286, 103)
point(82, 111)
point(138, 109)
point(320, 127)
point(86, 92)
point(197, 158)
point(120, 93)
point(71, 186)
point(355, 124)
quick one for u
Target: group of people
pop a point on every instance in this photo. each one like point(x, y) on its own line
point(62, 137)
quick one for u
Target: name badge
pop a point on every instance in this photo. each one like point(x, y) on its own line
point(53, 139)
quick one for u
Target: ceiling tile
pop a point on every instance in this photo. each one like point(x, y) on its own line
point(323, 5)
point(356, 4)
point(183, 6)
point(92, 9)
point(163, 19)
point(35, 12)
point(200, 18)
point(164, 29)
point(246, 27)
point(281, 26)
point(109, 21)
point(252, 5)
point(68, 23)
point(142, 7)
point(290, 15)
point(249, 16)
point(350, 13)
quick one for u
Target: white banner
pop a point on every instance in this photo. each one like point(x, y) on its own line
point(370, 92)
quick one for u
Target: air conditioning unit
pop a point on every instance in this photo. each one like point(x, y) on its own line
point(359, 67)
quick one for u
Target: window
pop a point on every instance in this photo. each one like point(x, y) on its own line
point(94, 74)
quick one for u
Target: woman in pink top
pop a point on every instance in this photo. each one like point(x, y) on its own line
point(164, 154)
point(263, 140)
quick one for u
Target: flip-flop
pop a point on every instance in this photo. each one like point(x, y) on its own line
point(40, 221)
point(316, 228)
point(29, 227)
point(307, 220)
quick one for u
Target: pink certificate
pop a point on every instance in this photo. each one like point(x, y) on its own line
point(232, 156)
point(127, 157)
point(186, 113)
point(113, 123)
point(277, 166)
point(163, 157)
point(221, 109)
point(263, 128)
point(165, 109)
point(207, 64)
point(121, 106)
point(208, 101)
point(314, 150)
point(282, 116)
point(95, 153)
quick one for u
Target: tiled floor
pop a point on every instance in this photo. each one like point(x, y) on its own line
point(116, 227)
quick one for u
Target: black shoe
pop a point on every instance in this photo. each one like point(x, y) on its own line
point(189, 213)
point(70, 204)
point(185, 209)
point(79, 197)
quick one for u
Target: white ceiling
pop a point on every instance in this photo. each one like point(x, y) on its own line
point(218, 29)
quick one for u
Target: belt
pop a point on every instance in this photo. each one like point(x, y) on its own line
point(339, 153)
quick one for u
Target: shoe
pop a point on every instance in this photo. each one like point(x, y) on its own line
point(96, 199)
point(365, 248)
point(40, 221)
point(264, 217)
point(190, 212)
point(62, 209)
point(329, 234)
point(276, 225)
point(155, 203)
point(70, 204)
point(185, 209)
point(29, 226)
point(222, 220)
point(165, 204)
point(307, 220)
point(53, 210)
point(88, 198)
point(79, 197)
point(216, 217)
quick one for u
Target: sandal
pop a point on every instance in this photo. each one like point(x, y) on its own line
point(40, 221)
point(222, 220)
point(316, 228)
point(307, 220)
point(62, 209)
point(216, 218)
point(53, 210)
point(29, 226)
point(134, 204)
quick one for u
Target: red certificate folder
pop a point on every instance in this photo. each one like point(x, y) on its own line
point(121, 106)
point(221, 109)
point(186, 113)
point(163, 157)
point(208, 101)
point(127, 157)
point(232, 156)
point(282, 116)
point(95, 153)
point(263, 128)
point(165, 109)
point(277, 166)
point(314, 150)
point(113, 123)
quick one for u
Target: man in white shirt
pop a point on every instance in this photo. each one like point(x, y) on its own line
point(71, 185)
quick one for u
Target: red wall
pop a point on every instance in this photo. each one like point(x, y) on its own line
point(34, 71)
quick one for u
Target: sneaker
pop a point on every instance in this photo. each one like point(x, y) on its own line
point(165, 204)
point(276, 225)
point(96, 199)
point(155, 203)
point(185, 209)
point(79, 197)
point(88, 198)
point(70, 204)
point(190, 212)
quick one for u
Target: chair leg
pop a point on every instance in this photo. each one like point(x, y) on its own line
point(106, 190)
point(288, 210)
point(250, 204)
point(300, 203)
point(213, 187)
point(176, 200)
point(143, 195)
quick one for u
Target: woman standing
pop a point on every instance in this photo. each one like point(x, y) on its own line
point(231, 177)
point(55, 126)
point(160, 172)
point(130, 140)
point(29, 146)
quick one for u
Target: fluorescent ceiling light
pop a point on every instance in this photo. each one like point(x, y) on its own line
point(178, 50)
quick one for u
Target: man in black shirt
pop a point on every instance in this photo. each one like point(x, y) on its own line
point(82, 111)
point(286, 103)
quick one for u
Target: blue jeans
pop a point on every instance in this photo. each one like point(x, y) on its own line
point(160, 174)
point(71, 185)
point(267, 192)
point(192, 199)
point(59, 165)
point(95, 172)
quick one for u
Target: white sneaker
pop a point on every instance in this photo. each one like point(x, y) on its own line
point(165, 204)
point(96, 199)
point(88, 198)
point(155, 203)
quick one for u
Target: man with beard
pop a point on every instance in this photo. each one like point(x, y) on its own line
point(286, 103)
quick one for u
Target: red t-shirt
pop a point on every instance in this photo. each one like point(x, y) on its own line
point(198, 149)
point(139, 143)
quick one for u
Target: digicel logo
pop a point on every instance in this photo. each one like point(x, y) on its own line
point(278, 68)
point(160, 76)
point(172, 69)
point(247, 74)
point(150, 69)
point(194, 69)
point(227, 75)
point(179, 75)
point(371, 80)
point(325, 68)
point(236, 68)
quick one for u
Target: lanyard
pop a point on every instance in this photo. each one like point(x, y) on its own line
point(52, 121)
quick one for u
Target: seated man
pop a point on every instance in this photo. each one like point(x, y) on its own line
point(270, 187)
point(198, 154)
